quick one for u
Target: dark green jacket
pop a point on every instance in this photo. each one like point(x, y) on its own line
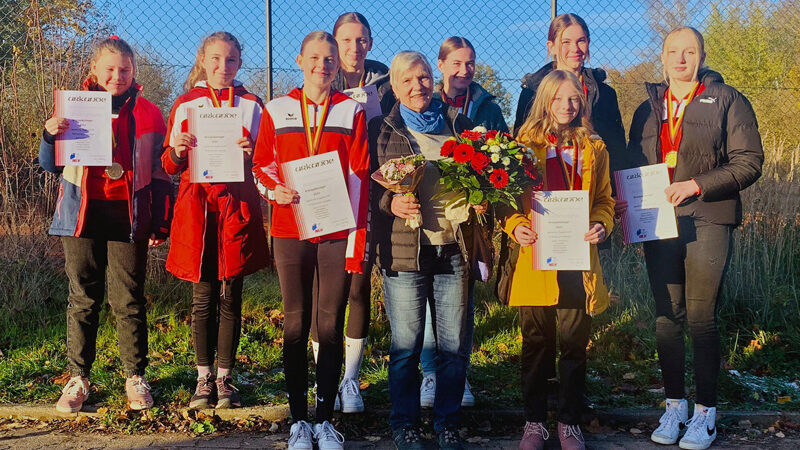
point(484, 112)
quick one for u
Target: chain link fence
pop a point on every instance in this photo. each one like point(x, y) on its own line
point(44, 44)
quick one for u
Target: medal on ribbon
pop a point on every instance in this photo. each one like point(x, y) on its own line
point(313, 139)
point(675, 121)
point(114, 171)
point(215, 100)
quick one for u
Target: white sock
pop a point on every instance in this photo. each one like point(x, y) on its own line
point(202, 371)
point(315, 349)
point(221, 373)
point(353, 352)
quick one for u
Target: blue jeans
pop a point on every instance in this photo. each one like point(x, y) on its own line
point(428, 356)
point(442, 283)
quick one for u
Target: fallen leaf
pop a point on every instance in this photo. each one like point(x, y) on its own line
point(780, 434)
point(629, 376)
point(82, 420)
point(274, 427)
point(784, 399)
point(635, 431)
point(363, 385)
point(62, 379)
point(502, 348)
point(373, 438)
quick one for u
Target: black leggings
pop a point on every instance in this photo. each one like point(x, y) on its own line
point(216, 308)
point(358, 299)
point(685, 275)
point(297, 263)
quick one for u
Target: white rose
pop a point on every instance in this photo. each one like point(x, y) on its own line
point(479, 129)
point(506, 161)
point(494, 149)
point(495, 157)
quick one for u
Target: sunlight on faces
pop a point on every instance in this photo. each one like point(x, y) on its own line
point(354, 44)
point(572, 49)
point(221, 60)
point(320, 62)
point(682, 56)
point(414, 88)
point(114, 72)
point(566, 104)
point(458, 69)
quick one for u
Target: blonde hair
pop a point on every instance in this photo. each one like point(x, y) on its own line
point(198, 73)
point(352, 17)
point(701, 47)
point(540, 121)
point(112, 44)
point(452, 44)
point(557, 28)
point(405, 60)
point(319, 35)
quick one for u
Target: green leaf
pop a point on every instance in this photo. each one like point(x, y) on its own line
point(476, 197)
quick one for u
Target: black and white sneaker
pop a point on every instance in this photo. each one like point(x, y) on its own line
point(672, 422)
point(702, 429)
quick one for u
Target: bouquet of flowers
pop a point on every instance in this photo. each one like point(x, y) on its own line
point(487, 166)
point(402, 176)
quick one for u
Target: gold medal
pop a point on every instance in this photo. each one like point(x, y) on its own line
point(671, 159)
point(114, 171)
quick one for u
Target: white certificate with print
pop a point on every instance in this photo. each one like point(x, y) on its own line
point(368, 97)
point(217, 158)
point(324, 205)
point(88, 140)
point(650, 216)
point(560, 219)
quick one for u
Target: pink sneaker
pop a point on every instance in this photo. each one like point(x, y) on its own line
point(138, 392)
point(534, 436)
point(571, 437)
point(73, 395)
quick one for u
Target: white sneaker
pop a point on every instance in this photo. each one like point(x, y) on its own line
point(327, 437)
point(671, 422)
point(300, 436)
point(427, 391)
point(350, 396)
point(467, 399)
point(702, 429)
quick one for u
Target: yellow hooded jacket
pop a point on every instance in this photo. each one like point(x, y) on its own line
point(539, 287)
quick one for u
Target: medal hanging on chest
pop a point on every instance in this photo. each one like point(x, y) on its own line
point(313, 139)
point(114, 171)
point(675, 116)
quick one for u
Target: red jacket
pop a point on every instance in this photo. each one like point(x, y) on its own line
point(242, 243)
point(282, 138)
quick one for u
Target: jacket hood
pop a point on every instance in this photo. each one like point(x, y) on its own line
point(532, 80)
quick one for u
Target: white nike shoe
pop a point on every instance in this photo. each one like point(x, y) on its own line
point(349, 397)
point(427, 391)
point(702, 429)
point(327, 437)
point(671, 422)
point(300, 436)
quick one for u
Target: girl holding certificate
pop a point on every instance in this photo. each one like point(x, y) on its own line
point(354, 39)
point(311, 121)
point(105, 217)
point(707, 134)
point(221, 234)
point(571, 158)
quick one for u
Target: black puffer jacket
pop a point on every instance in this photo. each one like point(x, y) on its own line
point(602, 98)
point(397, 245)
point(720, 148)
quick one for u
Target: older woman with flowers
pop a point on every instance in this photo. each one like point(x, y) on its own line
point(421, 265)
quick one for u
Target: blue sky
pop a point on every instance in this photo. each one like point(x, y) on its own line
point(508, 35)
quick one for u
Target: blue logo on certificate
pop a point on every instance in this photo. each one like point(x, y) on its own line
point(74, 158)
point(207, 175)
point(316, 228)
point(551, 262)
point(641, 233)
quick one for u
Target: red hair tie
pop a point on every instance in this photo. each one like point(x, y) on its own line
point(114, 37)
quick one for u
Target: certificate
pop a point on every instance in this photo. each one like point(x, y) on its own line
point(560, 219)
point(324, 205)
point(649, 216)
point(217, 157)
point(88, 140)
point(368, 97)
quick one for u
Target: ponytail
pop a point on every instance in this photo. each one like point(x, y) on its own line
point(198, 73)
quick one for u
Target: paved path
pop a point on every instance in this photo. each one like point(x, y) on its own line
point(36, 438)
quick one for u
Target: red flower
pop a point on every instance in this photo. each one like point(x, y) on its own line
point(507, 135)
point(499, 178)
point(491, 134)
point(447, 148)
point(471, 135)
point(462, 153)
point(479, 162)
point(530, 168)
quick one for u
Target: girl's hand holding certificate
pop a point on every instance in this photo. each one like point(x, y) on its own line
point(56, 125)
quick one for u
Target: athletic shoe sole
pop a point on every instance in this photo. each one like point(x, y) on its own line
point(692, 446)
point(69, 410)
point(663, 440)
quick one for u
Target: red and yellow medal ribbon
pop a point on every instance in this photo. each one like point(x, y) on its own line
point(569, 172)
point(360, 82)
point(215, 100)
point(313, 139)
point(673, 118)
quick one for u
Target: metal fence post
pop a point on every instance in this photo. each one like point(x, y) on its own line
point(553, 9)
point(268, 79)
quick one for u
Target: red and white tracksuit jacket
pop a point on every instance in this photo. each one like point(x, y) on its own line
point(281, 138)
